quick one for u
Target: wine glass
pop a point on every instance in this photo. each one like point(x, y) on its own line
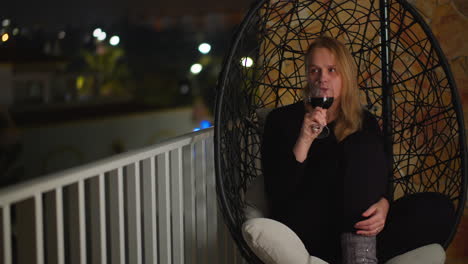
point(320, 97)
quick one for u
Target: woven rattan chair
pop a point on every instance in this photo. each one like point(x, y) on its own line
point(404, 78)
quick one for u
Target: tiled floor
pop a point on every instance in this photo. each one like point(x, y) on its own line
point(457, 252)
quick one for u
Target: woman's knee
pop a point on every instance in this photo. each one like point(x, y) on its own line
point(417, 220)
point(428, 216)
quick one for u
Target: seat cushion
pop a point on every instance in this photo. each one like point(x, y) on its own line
point(275, 243)
point(430, 254)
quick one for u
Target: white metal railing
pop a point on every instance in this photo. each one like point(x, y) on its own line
point(153, 205)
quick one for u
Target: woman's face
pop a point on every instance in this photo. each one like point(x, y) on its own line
point(323, 71)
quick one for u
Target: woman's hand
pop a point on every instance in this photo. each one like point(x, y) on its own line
point(314, 121)
point(375, 223)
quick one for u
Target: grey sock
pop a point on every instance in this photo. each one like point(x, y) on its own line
point(357, 249)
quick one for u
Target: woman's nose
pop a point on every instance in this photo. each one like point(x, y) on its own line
point(323, 76)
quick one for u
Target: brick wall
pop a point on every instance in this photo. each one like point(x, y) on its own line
point(448, 20)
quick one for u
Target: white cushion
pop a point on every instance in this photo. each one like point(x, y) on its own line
point(275, 243)
point(430, 254)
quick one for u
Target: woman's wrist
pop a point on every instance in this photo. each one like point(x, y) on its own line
point(301, 148)
point(305, 140)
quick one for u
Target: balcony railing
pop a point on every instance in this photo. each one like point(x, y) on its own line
point(153, 205)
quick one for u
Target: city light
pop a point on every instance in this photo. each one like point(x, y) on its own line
point(80, 82)
point(246, 62)
point(97, 32)
point(114, 40)
point(102, 36)
point(204, 124)
point(15, 31)
point(6, 22)
point(5, 37)
point(204, 48)
point(196, 68)
point(62, 34)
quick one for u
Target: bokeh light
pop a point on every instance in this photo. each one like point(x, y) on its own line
point(246, 62)
point(196, 68)
point(6, 22)
point(114, 40)
point(204, 48)
point(5, 37)
point(97, 32)
point(184, 88)
point(102, 36)
point(62, 34)
point(80, 82)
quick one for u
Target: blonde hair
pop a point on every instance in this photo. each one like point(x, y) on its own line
point(349, 118)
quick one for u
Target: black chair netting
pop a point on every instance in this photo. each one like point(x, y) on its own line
point(402, 73)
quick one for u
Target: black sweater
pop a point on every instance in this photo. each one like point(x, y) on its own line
point(327, 193)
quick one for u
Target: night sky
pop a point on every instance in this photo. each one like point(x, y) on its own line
point(57, 13)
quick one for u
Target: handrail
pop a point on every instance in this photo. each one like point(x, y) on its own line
point(153, 205)
point(27, 189)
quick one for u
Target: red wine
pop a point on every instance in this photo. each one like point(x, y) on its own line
point(324, 102)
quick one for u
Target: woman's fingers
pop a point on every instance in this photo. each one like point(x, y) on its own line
point(371, 226)
point(372, 232)
point(318, 117)
point(371, 229)
point(314, 121)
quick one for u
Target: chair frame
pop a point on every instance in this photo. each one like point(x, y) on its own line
point(233, 216)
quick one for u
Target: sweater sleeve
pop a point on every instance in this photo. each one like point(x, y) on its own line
point(282, 172)
point(373, 128)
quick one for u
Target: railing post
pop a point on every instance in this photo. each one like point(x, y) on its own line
point(200, 202)
point(82, 221)
point(116, 217)
point(211, 202)
point(102, 218)
point(133, 220)
point(38, 209)
point(189, 204)
point(150, 231)
point(164, 207)
point(7, 249)
point(177, 199)
point(60, 227)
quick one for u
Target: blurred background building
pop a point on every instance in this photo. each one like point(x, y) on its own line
point(83, 80)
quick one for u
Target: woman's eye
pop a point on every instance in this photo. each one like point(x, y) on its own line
point(314, 70)
point(332, 70)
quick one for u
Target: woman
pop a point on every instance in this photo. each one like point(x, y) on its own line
point(331, 191)
point(328, 190)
